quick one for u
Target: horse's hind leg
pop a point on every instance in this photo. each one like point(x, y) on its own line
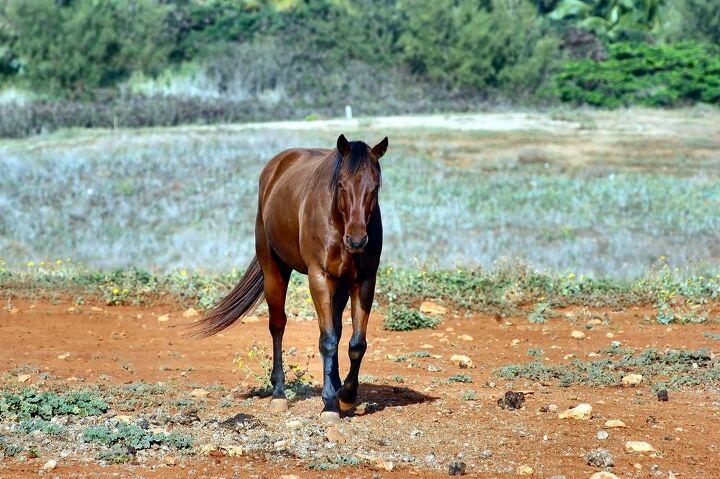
point(276, 277)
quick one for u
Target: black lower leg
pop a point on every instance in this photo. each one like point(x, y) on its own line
point(328, 350)
point(277, 376)
point(348, 393)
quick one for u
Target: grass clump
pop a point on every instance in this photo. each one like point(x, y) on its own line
point(671, 369)
point(403, 318)
point(460, 378)
point(538, 313)
point(130, 435)
point(31, 403)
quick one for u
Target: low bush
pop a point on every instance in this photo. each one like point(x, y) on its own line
point(133, 436)
point(403, 318)
point(644, 74)
point(31, 403)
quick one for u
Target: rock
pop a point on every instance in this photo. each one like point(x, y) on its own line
point(190, 313)
point(64, 356)
point(461, 360)
point(294, 424)
point(199, 393)
point(602, 435)
point(524, 470)
point(638, 446)
point(334, 435)
point(577, 334)
point(486, 454)
point(613, 423)
point(23, 378)
point(289, 476)
point(163, 317)
point(552, 407)
point(429, 307)
point(581, 412)
point(96, 309)
point(515, 342)
point(231, 450)
point(207, 449)
point(632, 380)
point(466, 337)
point(599, 458)
point(511, 400)
point(169, 460)
point(389, 466)
point(457, 468)
point(427, 346)
point(604, 475)
point(662, 394)
point(50, 465)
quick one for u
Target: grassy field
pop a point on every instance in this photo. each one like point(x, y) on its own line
point(601, 194)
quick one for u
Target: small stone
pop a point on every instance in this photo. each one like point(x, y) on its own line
point(552, 407)
point(511, 400)
point(457, 468)
point(638, 446)
point(515, 342)
point(64, 356)
point(169, 460)
point(280, 444)
point(427, 346)
point(524, 470)
point(23, 378)
point(50, 465)
point(602, 435)
point(389, 466)
point(294, 424)
point(604, 475)
point(163, 317)
point(599, 458)
point(613, 423)
point(466, 337)
point(199, 393)
point(662, 395)
point(429, 307)
point(632, 380)
point(461, 360)
point(190, 313)
point(486, 454)
point(576, 334)
point(334, 435)
point(96, 309)
point(581, 412)
point(233, 451)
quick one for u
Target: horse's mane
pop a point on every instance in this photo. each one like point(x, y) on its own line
point(358, 159)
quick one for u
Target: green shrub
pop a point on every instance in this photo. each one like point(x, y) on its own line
point(650, 75)
point(31, 403)
point(403, 318)
point(130, 435)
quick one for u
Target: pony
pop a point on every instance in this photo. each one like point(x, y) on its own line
point(318, 214)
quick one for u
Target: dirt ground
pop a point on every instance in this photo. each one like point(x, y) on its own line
point(411, 422)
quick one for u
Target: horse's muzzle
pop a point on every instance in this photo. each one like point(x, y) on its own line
point(355, 244)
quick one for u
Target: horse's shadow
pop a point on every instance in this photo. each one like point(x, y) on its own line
point(371, 398)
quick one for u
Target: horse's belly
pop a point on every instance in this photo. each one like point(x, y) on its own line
point(283, 236)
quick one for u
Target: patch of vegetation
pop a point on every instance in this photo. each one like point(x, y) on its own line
point(403, 318)
point(259, 358)
point(538, 313)
point(130, 435)
point(46, 427)
point(417, 354)
point(671, 369)
point(640, 73)
point(535, 352)
point(710, 335)
point(460, 378)
point(469, 396)
point(31, 403)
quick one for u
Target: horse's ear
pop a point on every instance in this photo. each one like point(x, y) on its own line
point(380, 149)
point(343, 145)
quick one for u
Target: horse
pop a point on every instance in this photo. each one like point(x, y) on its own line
point(318, 214)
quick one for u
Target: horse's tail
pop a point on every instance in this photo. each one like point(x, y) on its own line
point(243, 299)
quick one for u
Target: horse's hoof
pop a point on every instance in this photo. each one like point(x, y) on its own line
point(330, 417)
point(345, 406)
point(278, 405)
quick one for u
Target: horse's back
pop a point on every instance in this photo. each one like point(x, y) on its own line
point(284, 183)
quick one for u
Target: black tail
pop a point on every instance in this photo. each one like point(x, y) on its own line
point(243, 299)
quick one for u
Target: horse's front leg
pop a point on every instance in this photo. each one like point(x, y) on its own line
point(361, 297)
point(330, 299)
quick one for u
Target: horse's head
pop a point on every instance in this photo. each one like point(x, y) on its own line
point(356, 182)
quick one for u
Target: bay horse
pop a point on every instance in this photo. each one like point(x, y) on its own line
point(318, 214)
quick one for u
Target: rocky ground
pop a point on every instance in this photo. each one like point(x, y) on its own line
point(584, 393)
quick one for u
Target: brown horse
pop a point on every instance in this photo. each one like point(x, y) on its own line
point(318, 214)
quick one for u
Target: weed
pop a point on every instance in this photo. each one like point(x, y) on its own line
point(130, 435)
point(397, 378)
point(31, 403)
point(460, 378)
point(538, 313)
point(535, 352)
point(403, 318)
point(299, 385)
point(469, 396)
point(37, 424)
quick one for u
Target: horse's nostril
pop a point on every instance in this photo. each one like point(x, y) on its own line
point(355, 243)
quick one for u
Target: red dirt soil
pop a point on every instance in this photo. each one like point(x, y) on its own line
point(424, 414)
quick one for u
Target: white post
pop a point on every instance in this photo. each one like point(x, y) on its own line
point(348, 112)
